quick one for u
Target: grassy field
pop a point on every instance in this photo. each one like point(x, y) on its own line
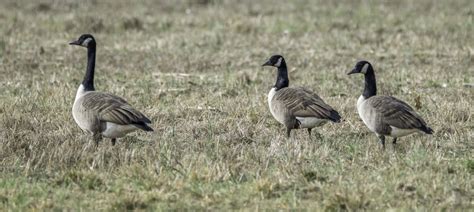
point(194, 67)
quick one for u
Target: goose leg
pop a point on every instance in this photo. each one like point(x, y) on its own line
point(382, 141)
point(97, 137)
point(113, 141)
point(288, 130)
point(394, 141)
point(309, 131)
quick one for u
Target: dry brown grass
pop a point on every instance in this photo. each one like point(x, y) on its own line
point(194, 68)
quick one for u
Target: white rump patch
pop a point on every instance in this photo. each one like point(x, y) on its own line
point(113, 130)
point(310, 122)
point(397, 132)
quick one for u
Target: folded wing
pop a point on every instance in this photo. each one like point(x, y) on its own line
point(302, 102)
point(111, 108)
point(397, 113)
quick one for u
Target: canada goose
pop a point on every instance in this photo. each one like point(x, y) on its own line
point(385, 115)
point(103, 114)
point(296, 107)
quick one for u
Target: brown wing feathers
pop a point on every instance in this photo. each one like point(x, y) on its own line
point(397, 113)
point(304, 103)
point(111, 108)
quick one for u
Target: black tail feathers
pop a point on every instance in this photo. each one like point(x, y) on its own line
point(144, 127)
point(427, 130)
point(335, 117)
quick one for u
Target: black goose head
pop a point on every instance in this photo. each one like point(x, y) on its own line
point(282, 77)
point(275, 61)
point(362, 67)
point(85, 40)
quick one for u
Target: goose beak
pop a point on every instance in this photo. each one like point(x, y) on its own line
point(354, 71)
point(74, 43)
point(268, 63)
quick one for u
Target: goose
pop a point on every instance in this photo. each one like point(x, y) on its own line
point(296, 107)
point(385, 115)
point(103, 114)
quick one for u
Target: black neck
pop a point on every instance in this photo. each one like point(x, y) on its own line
point(282, 78)
point(88, 81)
point(370, 83)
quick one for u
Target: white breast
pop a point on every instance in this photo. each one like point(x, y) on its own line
point(80, 116)
point(270, 97)
point(116, 131)
point(366, 113)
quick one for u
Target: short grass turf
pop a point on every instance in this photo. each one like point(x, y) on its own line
point(194, 68)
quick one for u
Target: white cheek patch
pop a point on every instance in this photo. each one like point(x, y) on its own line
point(278, 63)
point(364, 68)
point(86, 42)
